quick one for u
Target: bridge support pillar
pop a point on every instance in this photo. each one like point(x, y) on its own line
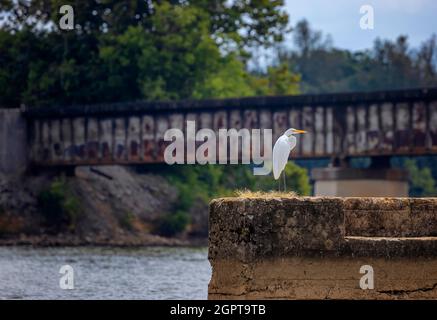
point(13, 142)
point(353, 182)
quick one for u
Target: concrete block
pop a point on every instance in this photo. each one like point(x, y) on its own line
point(314, 248)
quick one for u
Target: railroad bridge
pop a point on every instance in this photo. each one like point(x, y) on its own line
point(344, 125)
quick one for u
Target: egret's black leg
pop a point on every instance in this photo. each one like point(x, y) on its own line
point(285, 184)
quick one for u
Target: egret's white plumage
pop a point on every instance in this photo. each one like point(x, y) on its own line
point(282, 149)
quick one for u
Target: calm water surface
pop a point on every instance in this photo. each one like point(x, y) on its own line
point(105, 273)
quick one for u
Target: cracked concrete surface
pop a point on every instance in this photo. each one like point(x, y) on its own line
point(313, 248)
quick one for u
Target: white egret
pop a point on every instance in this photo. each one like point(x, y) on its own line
point(281, 151)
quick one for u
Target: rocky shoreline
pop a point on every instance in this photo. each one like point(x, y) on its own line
point(145, 240)
point(120, 211)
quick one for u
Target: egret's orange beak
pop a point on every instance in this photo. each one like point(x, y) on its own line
point(299, 131)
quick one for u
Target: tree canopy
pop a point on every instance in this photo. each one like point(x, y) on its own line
point(129, 50)
point(388, 65)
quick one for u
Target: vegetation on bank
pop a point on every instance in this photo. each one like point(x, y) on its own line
point(421, 180)
point(59, 206)
point(127, 221)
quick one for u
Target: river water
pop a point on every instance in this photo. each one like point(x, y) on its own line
point(104, 273)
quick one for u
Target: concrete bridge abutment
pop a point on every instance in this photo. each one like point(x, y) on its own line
point(378, 180)
point(353, 182)
point(14, 155)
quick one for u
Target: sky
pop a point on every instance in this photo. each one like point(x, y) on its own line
point(341, 19)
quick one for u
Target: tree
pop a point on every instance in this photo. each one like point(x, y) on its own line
point(279, 80)
point(426, 61)
point(166, 63)
point(132, 50)
point(307, 40)
point(388, 65)
point(241, 177)
point(229, 80)
point(242, 22)
point(422, 183)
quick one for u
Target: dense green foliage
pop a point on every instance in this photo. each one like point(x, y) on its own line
point(126, 220)
point(131, 50)
point(59, 206)
point(422, 183)
point(421, 180)
point(172, 223)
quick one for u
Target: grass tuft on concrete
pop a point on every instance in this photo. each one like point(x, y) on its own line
point(264, 194)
